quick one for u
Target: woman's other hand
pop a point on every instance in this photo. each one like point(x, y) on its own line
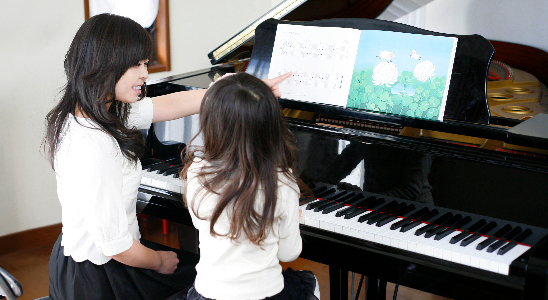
point(168, 263)
point(273, 83)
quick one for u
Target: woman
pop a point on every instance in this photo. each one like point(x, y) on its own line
point(93, 143)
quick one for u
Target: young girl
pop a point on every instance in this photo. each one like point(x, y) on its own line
point(93, 144)
point(243, 196)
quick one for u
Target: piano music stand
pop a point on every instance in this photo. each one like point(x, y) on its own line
point(466, 100)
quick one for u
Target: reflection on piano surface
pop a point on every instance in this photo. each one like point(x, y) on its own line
point(454, 208)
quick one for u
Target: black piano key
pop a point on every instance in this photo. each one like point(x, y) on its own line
point(386, 220)
point(443, 226)
point(332, 208)
point(380, 213)
point(496, 245)
point(330, 202)
point(424, 229)
point(525, 234)
point(410, 226)
point(462, 222)
point(368, 216)
point(173, 173)
point(348, 197)
point(147, 162)
point(158, 167)
point(324, 205)
point(503, 231)
point(400, 223)
point(315, 204)
point(470, 239)
point(171, 170)
point(443, 233)
point(418, 221)
point(476, 226)
point(486, 243)
point(318, 189)
point(374, 203)
point(430, 226)
point(324, 193)
point(488, 227)
point(329, 207)
point(357, 212)
point(354, 207)
point(369, 202)
point(345, 211)
point(337, 196)
point(506, 248)
point(421, 212)
point(377, 218)
point(407, 209)
point(401, 209)
point(452, 220)
point(459, 237)
point(512, 234)
point(434, 231)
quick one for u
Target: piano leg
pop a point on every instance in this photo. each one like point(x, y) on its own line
point(338, 283)
point(188, 238)
point(376, 288)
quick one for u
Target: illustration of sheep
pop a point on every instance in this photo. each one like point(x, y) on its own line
point(424, 69)
point(386, 72)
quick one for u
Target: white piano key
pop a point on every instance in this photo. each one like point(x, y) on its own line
point(469, 255)
point(386, 232)
point(405, 239)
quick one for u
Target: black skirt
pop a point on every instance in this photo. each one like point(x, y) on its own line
point(298, 285)
point(70, 280)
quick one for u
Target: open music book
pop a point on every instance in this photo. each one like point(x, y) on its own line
point(382, 71)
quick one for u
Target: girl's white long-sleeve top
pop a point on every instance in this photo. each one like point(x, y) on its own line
point(242, 270)
point(97, 187)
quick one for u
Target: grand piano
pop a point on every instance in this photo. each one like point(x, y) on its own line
point(455, 208)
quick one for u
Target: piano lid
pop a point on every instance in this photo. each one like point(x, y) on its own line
point(239, 47)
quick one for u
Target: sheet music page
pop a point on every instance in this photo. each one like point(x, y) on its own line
point(321, 59)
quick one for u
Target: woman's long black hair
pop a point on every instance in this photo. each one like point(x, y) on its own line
point(104, 48)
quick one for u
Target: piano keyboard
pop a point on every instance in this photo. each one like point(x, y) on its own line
point(162, 174)
point(472, 240)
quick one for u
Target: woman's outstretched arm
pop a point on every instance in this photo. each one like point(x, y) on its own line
point(181, 104)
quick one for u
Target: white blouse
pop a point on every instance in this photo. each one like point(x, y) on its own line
point(242, 270)
point(97, 187)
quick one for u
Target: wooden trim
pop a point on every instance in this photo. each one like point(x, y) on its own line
point(86, 9)
point(29, 239)
point(162, 37)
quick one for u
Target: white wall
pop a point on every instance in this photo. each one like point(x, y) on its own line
point(34, 38)
point(33, 45)
point(521, 22)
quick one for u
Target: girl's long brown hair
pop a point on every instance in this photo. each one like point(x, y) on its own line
point(247, 144)
point(104, 48)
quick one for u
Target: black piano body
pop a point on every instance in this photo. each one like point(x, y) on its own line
point(465, 164)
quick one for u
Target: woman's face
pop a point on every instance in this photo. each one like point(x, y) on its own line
point(128, 88)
